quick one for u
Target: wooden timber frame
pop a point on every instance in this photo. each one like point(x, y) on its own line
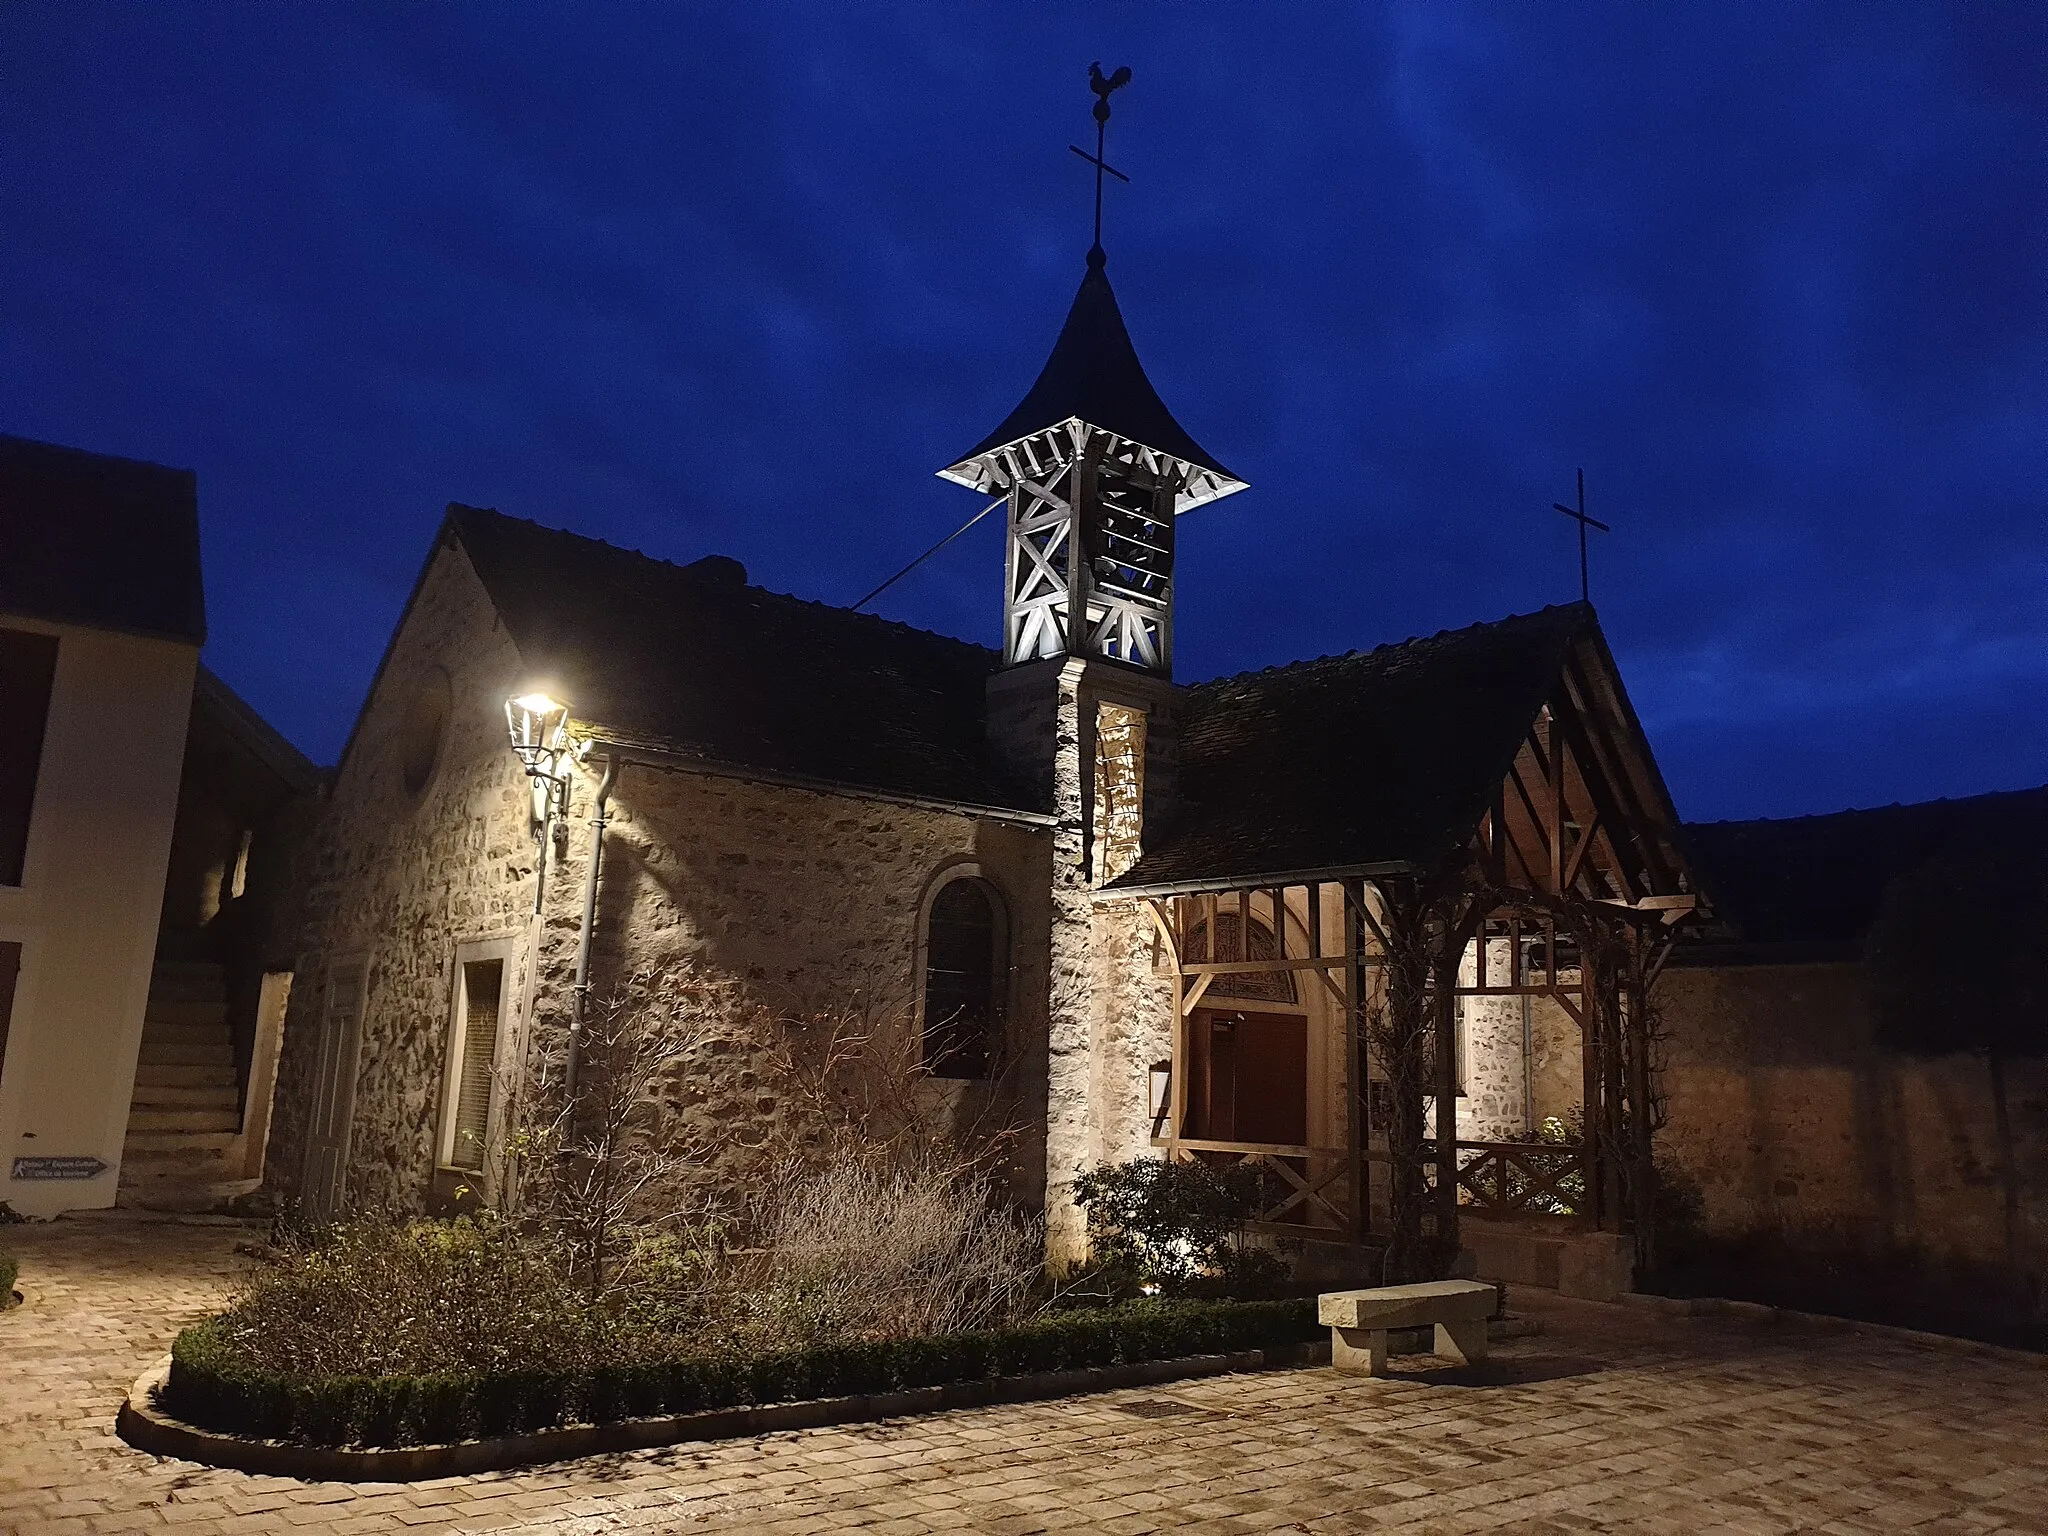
point(1088, 563)
point(1574, 871)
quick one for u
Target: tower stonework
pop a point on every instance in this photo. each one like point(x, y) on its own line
point(1095, 471)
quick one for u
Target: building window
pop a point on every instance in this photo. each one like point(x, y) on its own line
point(962, 971)
point(28, 670)
point(1233, 941)
point(421, 732)
point(472, 1064)
point(1119, 789)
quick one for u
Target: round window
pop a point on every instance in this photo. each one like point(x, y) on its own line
point(419, 738)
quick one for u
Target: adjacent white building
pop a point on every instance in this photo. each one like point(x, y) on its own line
point(101, 619)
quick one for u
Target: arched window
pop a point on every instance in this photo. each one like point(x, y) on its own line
point(962, 972)
point(1231, 943)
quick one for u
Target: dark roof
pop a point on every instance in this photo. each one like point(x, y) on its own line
point(1384, 758)
point(113, 543)
point(232, 716)
point(1094, 373)
point(1810, 886)
point(691, 662)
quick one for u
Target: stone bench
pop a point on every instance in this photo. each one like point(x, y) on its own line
point(1359, 1321)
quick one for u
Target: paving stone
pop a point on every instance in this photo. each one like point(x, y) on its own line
point(1612, 1420)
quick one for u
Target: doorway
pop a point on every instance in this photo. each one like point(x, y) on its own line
point(325, 1185)
point(1248, 1077)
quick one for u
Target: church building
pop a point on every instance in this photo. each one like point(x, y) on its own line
point(1277, 918)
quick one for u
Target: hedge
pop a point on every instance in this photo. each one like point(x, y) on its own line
point(212, 1385)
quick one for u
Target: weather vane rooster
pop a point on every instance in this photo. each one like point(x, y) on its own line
point(1102, 85)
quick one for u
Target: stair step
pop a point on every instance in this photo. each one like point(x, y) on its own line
point(162, 1011)
point(211, 989)
point(177, 1141)
point(197, 1053)
point(184, 1195)
point(165, 1074)
point(182, 1119)
point(185, 1095)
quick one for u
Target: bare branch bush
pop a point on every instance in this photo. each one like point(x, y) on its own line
point(748, 1175)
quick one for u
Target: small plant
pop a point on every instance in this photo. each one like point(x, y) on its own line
point(9, 1269)
point(1178, 1227)
point(1567, 1194)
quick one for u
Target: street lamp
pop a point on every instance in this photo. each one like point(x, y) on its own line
point(538, 724)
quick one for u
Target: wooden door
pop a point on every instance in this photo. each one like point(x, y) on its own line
point(1249, 1078)
point(325, 1185)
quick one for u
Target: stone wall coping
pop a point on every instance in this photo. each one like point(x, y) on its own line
point(148, 1427)
point(1759, 1312)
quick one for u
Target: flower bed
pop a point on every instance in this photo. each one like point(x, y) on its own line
point(212, 1385)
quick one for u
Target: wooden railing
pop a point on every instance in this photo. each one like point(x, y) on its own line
point(1302, 1181)
point(1522, 1178)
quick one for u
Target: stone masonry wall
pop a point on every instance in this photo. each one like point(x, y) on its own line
point(1799, 1127)
point(800, 899)
point(401, 877)
point(1109, 995)
point(810, 903)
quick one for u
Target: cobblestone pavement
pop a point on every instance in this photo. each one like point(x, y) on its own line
point(1614, 1420)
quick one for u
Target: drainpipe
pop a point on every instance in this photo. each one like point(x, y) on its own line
point(582, 988)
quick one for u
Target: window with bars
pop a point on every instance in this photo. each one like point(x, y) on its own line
point(473, 1061)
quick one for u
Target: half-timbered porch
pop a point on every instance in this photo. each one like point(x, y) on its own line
point(1333, 1024)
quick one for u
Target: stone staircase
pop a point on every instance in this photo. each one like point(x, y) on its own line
point(184, 1150)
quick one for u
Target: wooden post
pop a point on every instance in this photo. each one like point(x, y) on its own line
point(1612, 1045)
point(1357, 1055)
point(1642, 1172)
point(1451, 947)
point(1177, 1070)
point(1591, 1111)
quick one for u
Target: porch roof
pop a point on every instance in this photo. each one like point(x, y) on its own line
point(1374, 761)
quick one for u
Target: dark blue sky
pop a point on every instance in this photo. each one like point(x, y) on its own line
point(740, 278)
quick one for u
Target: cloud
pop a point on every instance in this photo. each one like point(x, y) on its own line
point(693, 279)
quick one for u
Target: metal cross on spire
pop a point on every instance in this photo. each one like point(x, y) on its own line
point(1102, 85)
point(1584, 522)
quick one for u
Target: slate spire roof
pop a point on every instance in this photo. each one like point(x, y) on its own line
point(1094, 374)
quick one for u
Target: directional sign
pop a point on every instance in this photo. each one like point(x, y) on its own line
point(58, 1167)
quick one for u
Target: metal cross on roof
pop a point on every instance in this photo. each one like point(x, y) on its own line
point(1584, 522)
point(1102, 85)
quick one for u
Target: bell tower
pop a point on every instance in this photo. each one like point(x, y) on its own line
point(1095, 470)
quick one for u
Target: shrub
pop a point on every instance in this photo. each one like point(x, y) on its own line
point(9, 1269)
point(869, 1250)
point(1178, 1225)
point(377, 1298)
point(214, 1382)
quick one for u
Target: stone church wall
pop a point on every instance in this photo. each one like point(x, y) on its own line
point(801, 899)
point(812, 904)
point(1799, 1128)
point(400, 876)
